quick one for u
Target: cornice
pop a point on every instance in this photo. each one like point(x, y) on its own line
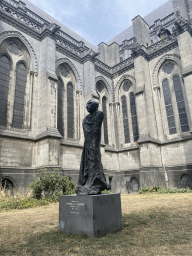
point(18, 16)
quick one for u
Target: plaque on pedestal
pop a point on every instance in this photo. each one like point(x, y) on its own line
point(93, 215)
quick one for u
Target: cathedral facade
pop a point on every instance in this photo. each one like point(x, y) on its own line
point(142, 79)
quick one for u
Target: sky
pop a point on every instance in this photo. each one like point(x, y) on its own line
point(97, 20)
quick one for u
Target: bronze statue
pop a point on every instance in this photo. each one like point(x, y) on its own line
point(91, 176)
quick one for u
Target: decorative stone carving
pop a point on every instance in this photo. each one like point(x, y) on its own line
point(9, 34)
point(174, 57)
point(77, 76)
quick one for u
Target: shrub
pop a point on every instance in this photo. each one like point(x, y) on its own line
point(50, 183)
point(161, 190)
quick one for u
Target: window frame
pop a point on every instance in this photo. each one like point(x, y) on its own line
point(169, 77)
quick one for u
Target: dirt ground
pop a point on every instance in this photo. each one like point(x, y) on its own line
point(17, 225)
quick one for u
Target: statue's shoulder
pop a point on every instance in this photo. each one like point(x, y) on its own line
point(99, 113)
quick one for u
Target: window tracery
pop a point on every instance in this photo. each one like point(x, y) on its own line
point(60, 102)
point(174, 100)
point(104, 104)
point(4, 86)
point(18, 110)
point(66, 99)
point(70, 111)
point(14, 64)
point(129, 121)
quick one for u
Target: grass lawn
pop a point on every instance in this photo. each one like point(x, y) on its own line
point(153, 224)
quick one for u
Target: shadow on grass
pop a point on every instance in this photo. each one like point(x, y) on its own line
point(142, 231)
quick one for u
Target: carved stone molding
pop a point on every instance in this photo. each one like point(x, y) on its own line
point(98, 78)
point(77, 76)
point(140, 90)
point(8, 34)
point(125, 77)
point(174, 57)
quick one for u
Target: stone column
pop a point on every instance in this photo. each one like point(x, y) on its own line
point(11, 97)
point(158, 112)
point(144, 99)
point(185, 48)
point(47, 85)
point(89, 79)
point(181, 6)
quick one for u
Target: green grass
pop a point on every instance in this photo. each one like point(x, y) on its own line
point(161, 190)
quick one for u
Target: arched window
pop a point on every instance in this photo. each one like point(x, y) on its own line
point(60, 107)
point(134, 117)
point(4, 85)
point(134, 185)
point(21, 78)
point(8, 185)
point(104, 104)
point(169, 107)
point(186, 181)
point(180, 103)
point(125, 119)
point(70, 111)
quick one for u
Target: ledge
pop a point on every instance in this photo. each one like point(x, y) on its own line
point(71, 143)
point(148, 139)
point(51, 132)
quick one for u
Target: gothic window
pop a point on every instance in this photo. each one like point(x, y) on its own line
point(169, 106)
point(60, 108)
point(70, 111)
point(134, 117)
point(4, 83)
point(125, 119)
point(21, 77)
point(180, 103)
point(104, 104)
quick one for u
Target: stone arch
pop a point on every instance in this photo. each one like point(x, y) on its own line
point(174, 57)
point(101, 78)
point(186, 180)
point(77, 76)
point(134, 182)
point(8, 34)
point(125, 77)
point(9, 183)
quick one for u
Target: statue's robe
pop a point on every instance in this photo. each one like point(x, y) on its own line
point(91, 177)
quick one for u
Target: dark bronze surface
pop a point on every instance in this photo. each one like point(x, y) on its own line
point(91, 177)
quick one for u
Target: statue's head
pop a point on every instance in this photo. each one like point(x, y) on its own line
point(92, 106)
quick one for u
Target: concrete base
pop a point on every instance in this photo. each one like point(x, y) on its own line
point(93, 215)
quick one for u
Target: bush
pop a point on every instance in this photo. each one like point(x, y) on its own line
point(161, 190)
point(50, 183)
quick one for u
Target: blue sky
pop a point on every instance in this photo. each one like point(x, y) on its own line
point(97, 20)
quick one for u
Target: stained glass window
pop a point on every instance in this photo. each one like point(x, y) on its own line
point(70, 111)
point(21, 78)
point(104, 103)
point(60, 108)
point(169, 107)
point(180, 104)
point(4, 84)
point(168, 68)
point(134, 117)
point(127, 85)
point(125, 119)
point(100, 86)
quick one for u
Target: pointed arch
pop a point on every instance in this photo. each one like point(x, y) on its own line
point(71, 65)
point(117, 87)
point(9, 34)
point(101, 78)
point(174, 57)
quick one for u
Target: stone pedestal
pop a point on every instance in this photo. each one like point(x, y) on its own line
point(93, 215)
